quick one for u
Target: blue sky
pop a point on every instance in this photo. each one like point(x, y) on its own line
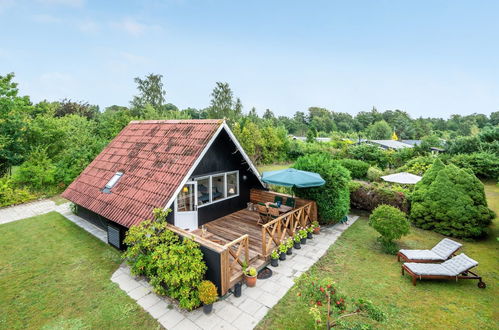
point(429, 58)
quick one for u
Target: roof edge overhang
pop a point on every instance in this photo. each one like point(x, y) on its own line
point(225, 127)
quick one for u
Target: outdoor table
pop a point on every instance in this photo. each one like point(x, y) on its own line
point(282, 208)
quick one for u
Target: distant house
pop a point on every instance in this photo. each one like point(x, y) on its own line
point(198, 169)
point(414, 143)
point(318, 139)
point(388, 144)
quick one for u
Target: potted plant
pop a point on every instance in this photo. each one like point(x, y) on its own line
point(208, 295)
point(310, 231)
point(250, 274)
point(303, 236)
point(274, 258)
point(282, 251)
point(297, 240)
point(289, 245)
point(317, 228)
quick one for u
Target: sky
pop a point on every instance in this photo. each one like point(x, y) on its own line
point(430, 58)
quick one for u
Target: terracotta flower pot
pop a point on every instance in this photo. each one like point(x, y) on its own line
point(317, 230)
point(250, 281)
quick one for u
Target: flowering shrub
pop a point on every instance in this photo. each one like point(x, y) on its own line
point(329, 308)
point(208, 292)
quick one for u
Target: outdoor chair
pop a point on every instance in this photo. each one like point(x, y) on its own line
point(277, 199)
point(263, 212)
point(455, 268)
point(273, 211)
point(441, 252)
point(290, 202)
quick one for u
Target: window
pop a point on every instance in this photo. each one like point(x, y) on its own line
point(110, 184)
point(185, 198)
point(217, 187)
point(232, 184)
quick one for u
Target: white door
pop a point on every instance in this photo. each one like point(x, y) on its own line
point(186, 207)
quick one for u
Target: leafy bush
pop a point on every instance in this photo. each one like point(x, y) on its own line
point(418, 165)
point(333, 198)
point(483, 164)
point(400, 157)
point(367, 197)
point(10, 194)
point(207, 292)
point(358, 169)
point(450, 201)
point(37, 172)
point(369, 153)
point(391, 224)
point(374, 174)
point(175, 266)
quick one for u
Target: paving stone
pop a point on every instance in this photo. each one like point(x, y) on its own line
point(245, 322)
point(127, 283)
point(210, 321)
point(236, 301)
point(159, 309)
point(148, 300)
point(259, 314)
point(250, 306)
point(224, 325)
point(253, 293)
point(171, 319)
point(139, 292)
point(229, 313)
point(268, 299)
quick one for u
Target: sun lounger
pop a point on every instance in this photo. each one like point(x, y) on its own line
point(441, 252)
point(455, 268)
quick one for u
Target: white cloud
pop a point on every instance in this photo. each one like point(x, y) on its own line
point(88, 26)
point(133, 27)
point(45, 18)
point(69, 3)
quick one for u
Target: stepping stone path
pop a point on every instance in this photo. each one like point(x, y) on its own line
point(230, 312)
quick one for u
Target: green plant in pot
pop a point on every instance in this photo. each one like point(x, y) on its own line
point(303, 236)
point(208, 295)
point(250, 274)
point(316, 227)
point(282, 251)
point(274, 258)
point(289, 245)
point(296, 241)
point(310, 231)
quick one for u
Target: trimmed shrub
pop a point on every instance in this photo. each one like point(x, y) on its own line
point(358, 169)
point(173, 264)
point(374, 174)
point(391, 224)
point(450, 201)
point(367, 196)
point(333, 198)
point(483, 164)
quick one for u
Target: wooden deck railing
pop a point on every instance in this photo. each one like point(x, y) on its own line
point(237, 248)
point(275, 231)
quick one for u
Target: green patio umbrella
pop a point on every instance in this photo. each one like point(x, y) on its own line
point(291, 177)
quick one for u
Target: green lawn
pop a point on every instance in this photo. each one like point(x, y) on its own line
point(53, 274)
point(362, 271)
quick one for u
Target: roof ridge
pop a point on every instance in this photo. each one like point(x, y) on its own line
point(179, 121)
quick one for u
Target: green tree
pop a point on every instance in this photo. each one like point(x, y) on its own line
point(84, 109)
point(333, 198)
point(14, 120)
point(391, 223)
point(151, 91)
point(222, 104)
point(380, 130)
point(37, 172)
point(450, 201)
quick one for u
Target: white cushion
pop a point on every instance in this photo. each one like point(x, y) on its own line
point(452, 267)
point(421, 255)
point(446, 247)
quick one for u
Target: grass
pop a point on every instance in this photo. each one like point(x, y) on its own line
point(58, 200)
point(272, 167)
point(361, 270)
point(53, 274)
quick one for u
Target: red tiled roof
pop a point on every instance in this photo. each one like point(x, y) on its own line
point(154, 155)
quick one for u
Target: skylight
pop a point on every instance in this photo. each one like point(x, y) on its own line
point(112, 182)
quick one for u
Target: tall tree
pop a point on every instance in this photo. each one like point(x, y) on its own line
point(151, 91)
point(222, 104)
point(84, 109)
point(380, 130)
point(14, 118)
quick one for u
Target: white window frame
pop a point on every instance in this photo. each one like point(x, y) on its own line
point(210, 190)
